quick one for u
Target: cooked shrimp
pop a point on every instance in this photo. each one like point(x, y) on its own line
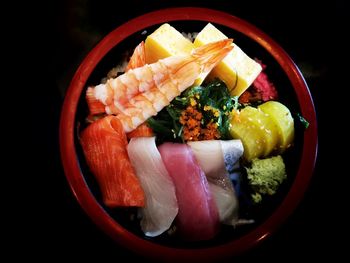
point(138, 58)
point(142, 92)
point(141, 131)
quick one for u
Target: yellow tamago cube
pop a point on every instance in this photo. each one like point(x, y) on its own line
point(164, 42)
point(237, 69)
point(167, 41)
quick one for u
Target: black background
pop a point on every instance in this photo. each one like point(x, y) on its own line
point(67, 30)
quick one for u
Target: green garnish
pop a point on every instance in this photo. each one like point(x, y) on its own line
point(303, 121)
point(212, 100)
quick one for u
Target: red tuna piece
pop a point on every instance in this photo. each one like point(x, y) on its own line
point(198, 217)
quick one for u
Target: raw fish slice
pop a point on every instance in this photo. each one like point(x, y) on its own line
point(104, 145)
point(198, 217)
point(216, 159)
point(227, 203)
point(235, 176)
point(232, 150)
point(161, 204)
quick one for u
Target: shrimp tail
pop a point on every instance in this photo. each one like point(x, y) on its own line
point(209, 55)
point(95, 106)
point(138, 58)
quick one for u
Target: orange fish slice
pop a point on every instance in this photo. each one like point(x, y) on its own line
point(104, 143)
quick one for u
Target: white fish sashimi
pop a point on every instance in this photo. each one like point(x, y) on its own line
point(226, 202)
point(216, 156)
point(216, 159)
point(209, 156)
point(232, 150)
point(161, 205)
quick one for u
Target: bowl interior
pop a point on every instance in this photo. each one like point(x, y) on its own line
point(292, 157)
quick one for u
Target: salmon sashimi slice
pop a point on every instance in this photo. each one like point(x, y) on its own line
point(198, 217)
point(104, 144)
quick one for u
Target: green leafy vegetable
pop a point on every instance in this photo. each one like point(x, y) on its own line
point(212, 100)
point(215, 103)
point(303, 121)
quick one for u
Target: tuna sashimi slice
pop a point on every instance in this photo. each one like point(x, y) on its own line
point(104, 144)
point(198, 217)
point(161, 204)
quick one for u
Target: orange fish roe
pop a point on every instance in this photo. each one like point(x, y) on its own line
point(210, 132)
point(245, 97)
point(192, 131)
point(191, 121)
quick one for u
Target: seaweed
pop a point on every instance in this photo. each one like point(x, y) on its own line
point(213, 100)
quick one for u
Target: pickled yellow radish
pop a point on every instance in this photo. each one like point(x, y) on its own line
point(283, 119)
point(252, 137)
point(266, 125)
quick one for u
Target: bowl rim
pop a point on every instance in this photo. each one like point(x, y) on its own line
point(97, 213)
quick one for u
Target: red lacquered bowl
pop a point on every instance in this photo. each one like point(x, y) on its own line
point(293, 92)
